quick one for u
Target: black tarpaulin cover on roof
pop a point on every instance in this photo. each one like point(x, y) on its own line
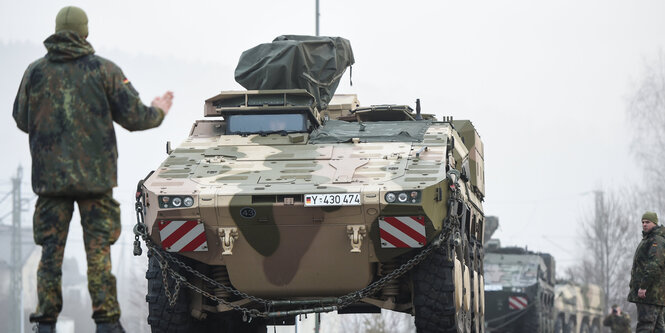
point(297, 62)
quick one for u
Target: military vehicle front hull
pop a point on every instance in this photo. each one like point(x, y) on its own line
point(281, 247)
point(288, 250)
point(522, 310)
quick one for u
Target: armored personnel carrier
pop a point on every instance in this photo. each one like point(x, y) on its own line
point(579, 308)
point(289, 201)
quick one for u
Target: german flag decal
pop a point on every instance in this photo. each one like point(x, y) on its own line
point(125, 81)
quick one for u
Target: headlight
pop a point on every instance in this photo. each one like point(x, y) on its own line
point(179, 201)
point(411, 197)
point(402, 197)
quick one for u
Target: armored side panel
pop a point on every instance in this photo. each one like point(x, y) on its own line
point(476, 149)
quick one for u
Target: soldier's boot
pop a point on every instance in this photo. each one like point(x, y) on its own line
point(110, 328)
point(44, 327)
point(42, 324)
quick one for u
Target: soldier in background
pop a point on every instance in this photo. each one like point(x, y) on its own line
point(67, 103)
point(619, 322)
point(647, 277)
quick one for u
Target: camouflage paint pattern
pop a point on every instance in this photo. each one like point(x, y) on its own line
point(648, 270)
point(618, 323)
point(650, 318)
point(100, 220)
point(67, 103)
point(579, 304)
point(287, 249)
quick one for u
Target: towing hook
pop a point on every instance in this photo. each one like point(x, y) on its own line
point(139, 230)
point(454, 175)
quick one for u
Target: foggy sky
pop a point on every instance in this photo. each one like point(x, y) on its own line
point(546, 84)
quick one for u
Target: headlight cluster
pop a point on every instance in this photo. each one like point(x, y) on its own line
point(403, 197)
point(172, 201)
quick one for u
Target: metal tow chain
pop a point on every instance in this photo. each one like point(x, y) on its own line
point(451, 224)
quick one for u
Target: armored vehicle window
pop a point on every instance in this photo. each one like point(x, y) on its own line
point(381, 131)
point(266, 123)
point(511, 275)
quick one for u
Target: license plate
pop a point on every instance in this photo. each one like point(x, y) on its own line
point(332, 199)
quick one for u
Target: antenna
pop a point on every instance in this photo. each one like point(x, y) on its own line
point(317, 17)
point(418, 116)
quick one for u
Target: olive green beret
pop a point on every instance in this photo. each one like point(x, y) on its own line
point(73, 19)
point(651, 216)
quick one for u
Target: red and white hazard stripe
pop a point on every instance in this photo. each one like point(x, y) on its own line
point(183, 236)
point(402, 231)
point(517, 302)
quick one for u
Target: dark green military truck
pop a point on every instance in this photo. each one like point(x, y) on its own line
point(519, 290)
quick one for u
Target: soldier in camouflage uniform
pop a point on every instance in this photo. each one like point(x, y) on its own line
point(618, 321)
point(647, 278)
point(67, 103)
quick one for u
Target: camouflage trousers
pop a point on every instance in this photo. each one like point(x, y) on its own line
point(100, 221)
point(650, 318)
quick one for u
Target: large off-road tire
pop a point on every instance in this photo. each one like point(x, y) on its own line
point(595, 328)
point(163, 318)
point(558, 325)
point(571, 326)
point(434, 296)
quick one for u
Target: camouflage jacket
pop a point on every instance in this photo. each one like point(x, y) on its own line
point(649, 268)
point(67, 103)
point(618, 324)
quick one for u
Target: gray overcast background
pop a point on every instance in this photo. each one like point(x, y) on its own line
point(546, 84)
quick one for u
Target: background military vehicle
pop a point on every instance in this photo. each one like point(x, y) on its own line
point(288, 201)
point(579, 308)
point(519, 290)
point(522, 294)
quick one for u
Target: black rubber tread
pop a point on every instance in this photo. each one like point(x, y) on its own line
point(558, 325)
point(570, 327)
point(434, 294)
point(595, 328)
point(163, 318)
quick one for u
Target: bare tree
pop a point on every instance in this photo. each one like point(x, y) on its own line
point(610, 236)
point(646, 112)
